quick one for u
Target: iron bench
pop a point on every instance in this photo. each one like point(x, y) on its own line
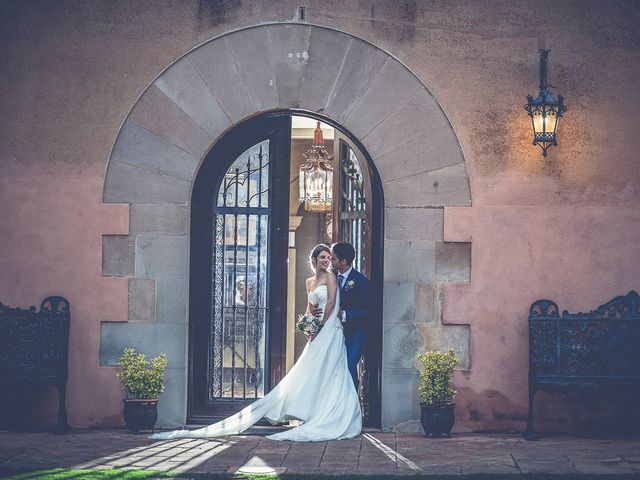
point(34, 349)
point(598, 350)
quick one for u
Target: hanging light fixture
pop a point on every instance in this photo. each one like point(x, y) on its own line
point(545, 110)
point(316, 176)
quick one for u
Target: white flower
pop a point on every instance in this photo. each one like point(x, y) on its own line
point(350, 285)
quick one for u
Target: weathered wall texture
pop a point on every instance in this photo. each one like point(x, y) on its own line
point(565, 227)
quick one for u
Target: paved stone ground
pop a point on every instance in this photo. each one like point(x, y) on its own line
point(372, 453)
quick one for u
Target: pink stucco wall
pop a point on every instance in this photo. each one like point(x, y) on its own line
point(51, 245)
point(529, 241)
point(566, 228)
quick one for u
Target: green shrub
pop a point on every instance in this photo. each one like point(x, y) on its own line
point(141, 378)
point(436, 385)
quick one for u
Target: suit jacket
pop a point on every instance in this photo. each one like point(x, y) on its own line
point(354, 300)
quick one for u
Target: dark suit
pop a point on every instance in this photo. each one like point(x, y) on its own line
point(354, 301)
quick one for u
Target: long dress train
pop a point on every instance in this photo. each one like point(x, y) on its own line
point(318, 390)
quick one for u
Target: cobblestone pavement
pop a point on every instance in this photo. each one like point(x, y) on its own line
point(372, 453)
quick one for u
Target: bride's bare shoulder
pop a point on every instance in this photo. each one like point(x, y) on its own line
point(309, 283)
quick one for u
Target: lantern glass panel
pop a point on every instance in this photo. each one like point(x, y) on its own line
point(538, 121)
point(551, 121)
point(302, 181)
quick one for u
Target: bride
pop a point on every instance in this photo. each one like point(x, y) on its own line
point(318, 390)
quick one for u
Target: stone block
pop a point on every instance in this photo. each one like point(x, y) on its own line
point(427, 304)
point(415, 118)
point(401, 343)
point(215, 63)
point(453, 262)
point(140, 148)
point(128, 184)
point(172, 299)
point(142, 299)
point(398, 302)
point(289, 45)
point(157, 113)
point(118, 255)
point(409, 261)
point(448, 186)
point(251, 51)
point(150, 338)
point(158, 219)
point(182, 84)
point(410, 426)
point(443, 337)
point(437, 149)
point(172, 406)
point(162, 256)
point(379, 101)
point(400, 402)
point(326, 51)
point(414, 224)
point(360, 66)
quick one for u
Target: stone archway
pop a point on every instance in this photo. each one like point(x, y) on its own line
point(280, 66)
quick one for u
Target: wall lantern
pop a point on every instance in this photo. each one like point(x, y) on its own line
point(545, 110)
point(316, 177)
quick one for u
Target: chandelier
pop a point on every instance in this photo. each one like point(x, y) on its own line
point(316, 176)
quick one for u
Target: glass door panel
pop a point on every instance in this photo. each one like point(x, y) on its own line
point(239, 219)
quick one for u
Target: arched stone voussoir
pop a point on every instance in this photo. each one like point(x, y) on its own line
point(432, 150)
point(289, 44)
point(447, 186)
point(138, 147)
point(326, 52)
point(158, 114)
point(128, 184)
point(185, 87)
point(252, 53)
point(419, 116)
point(361, 64)
point(392, 87)
point(145, 168)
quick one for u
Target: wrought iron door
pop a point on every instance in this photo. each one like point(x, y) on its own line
point(354, 223)
point(237, 323)
point(354, 216)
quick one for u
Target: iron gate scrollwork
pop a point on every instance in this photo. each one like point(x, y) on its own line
point(353, 207)
point(239, 281)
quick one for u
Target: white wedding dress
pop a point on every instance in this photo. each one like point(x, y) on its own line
point(318, 390)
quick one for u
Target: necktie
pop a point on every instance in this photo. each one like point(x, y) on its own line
point(341, 280)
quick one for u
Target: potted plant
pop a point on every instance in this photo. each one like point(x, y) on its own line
point(143, 381)
point(436, 390)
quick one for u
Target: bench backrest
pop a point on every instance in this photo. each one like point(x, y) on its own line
point(34, 343)
point(603, 343)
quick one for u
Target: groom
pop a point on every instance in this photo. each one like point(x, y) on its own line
point(354, 303)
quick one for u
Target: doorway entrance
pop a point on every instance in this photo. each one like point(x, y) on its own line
point(242, 204)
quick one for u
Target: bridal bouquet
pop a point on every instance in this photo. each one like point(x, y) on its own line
point(308, 324)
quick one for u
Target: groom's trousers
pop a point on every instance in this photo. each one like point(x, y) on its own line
point(354, 341)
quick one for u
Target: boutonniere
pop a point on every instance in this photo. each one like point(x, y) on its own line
point(350, 284)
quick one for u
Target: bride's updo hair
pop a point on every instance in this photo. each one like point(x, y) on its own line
point(315, 251)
